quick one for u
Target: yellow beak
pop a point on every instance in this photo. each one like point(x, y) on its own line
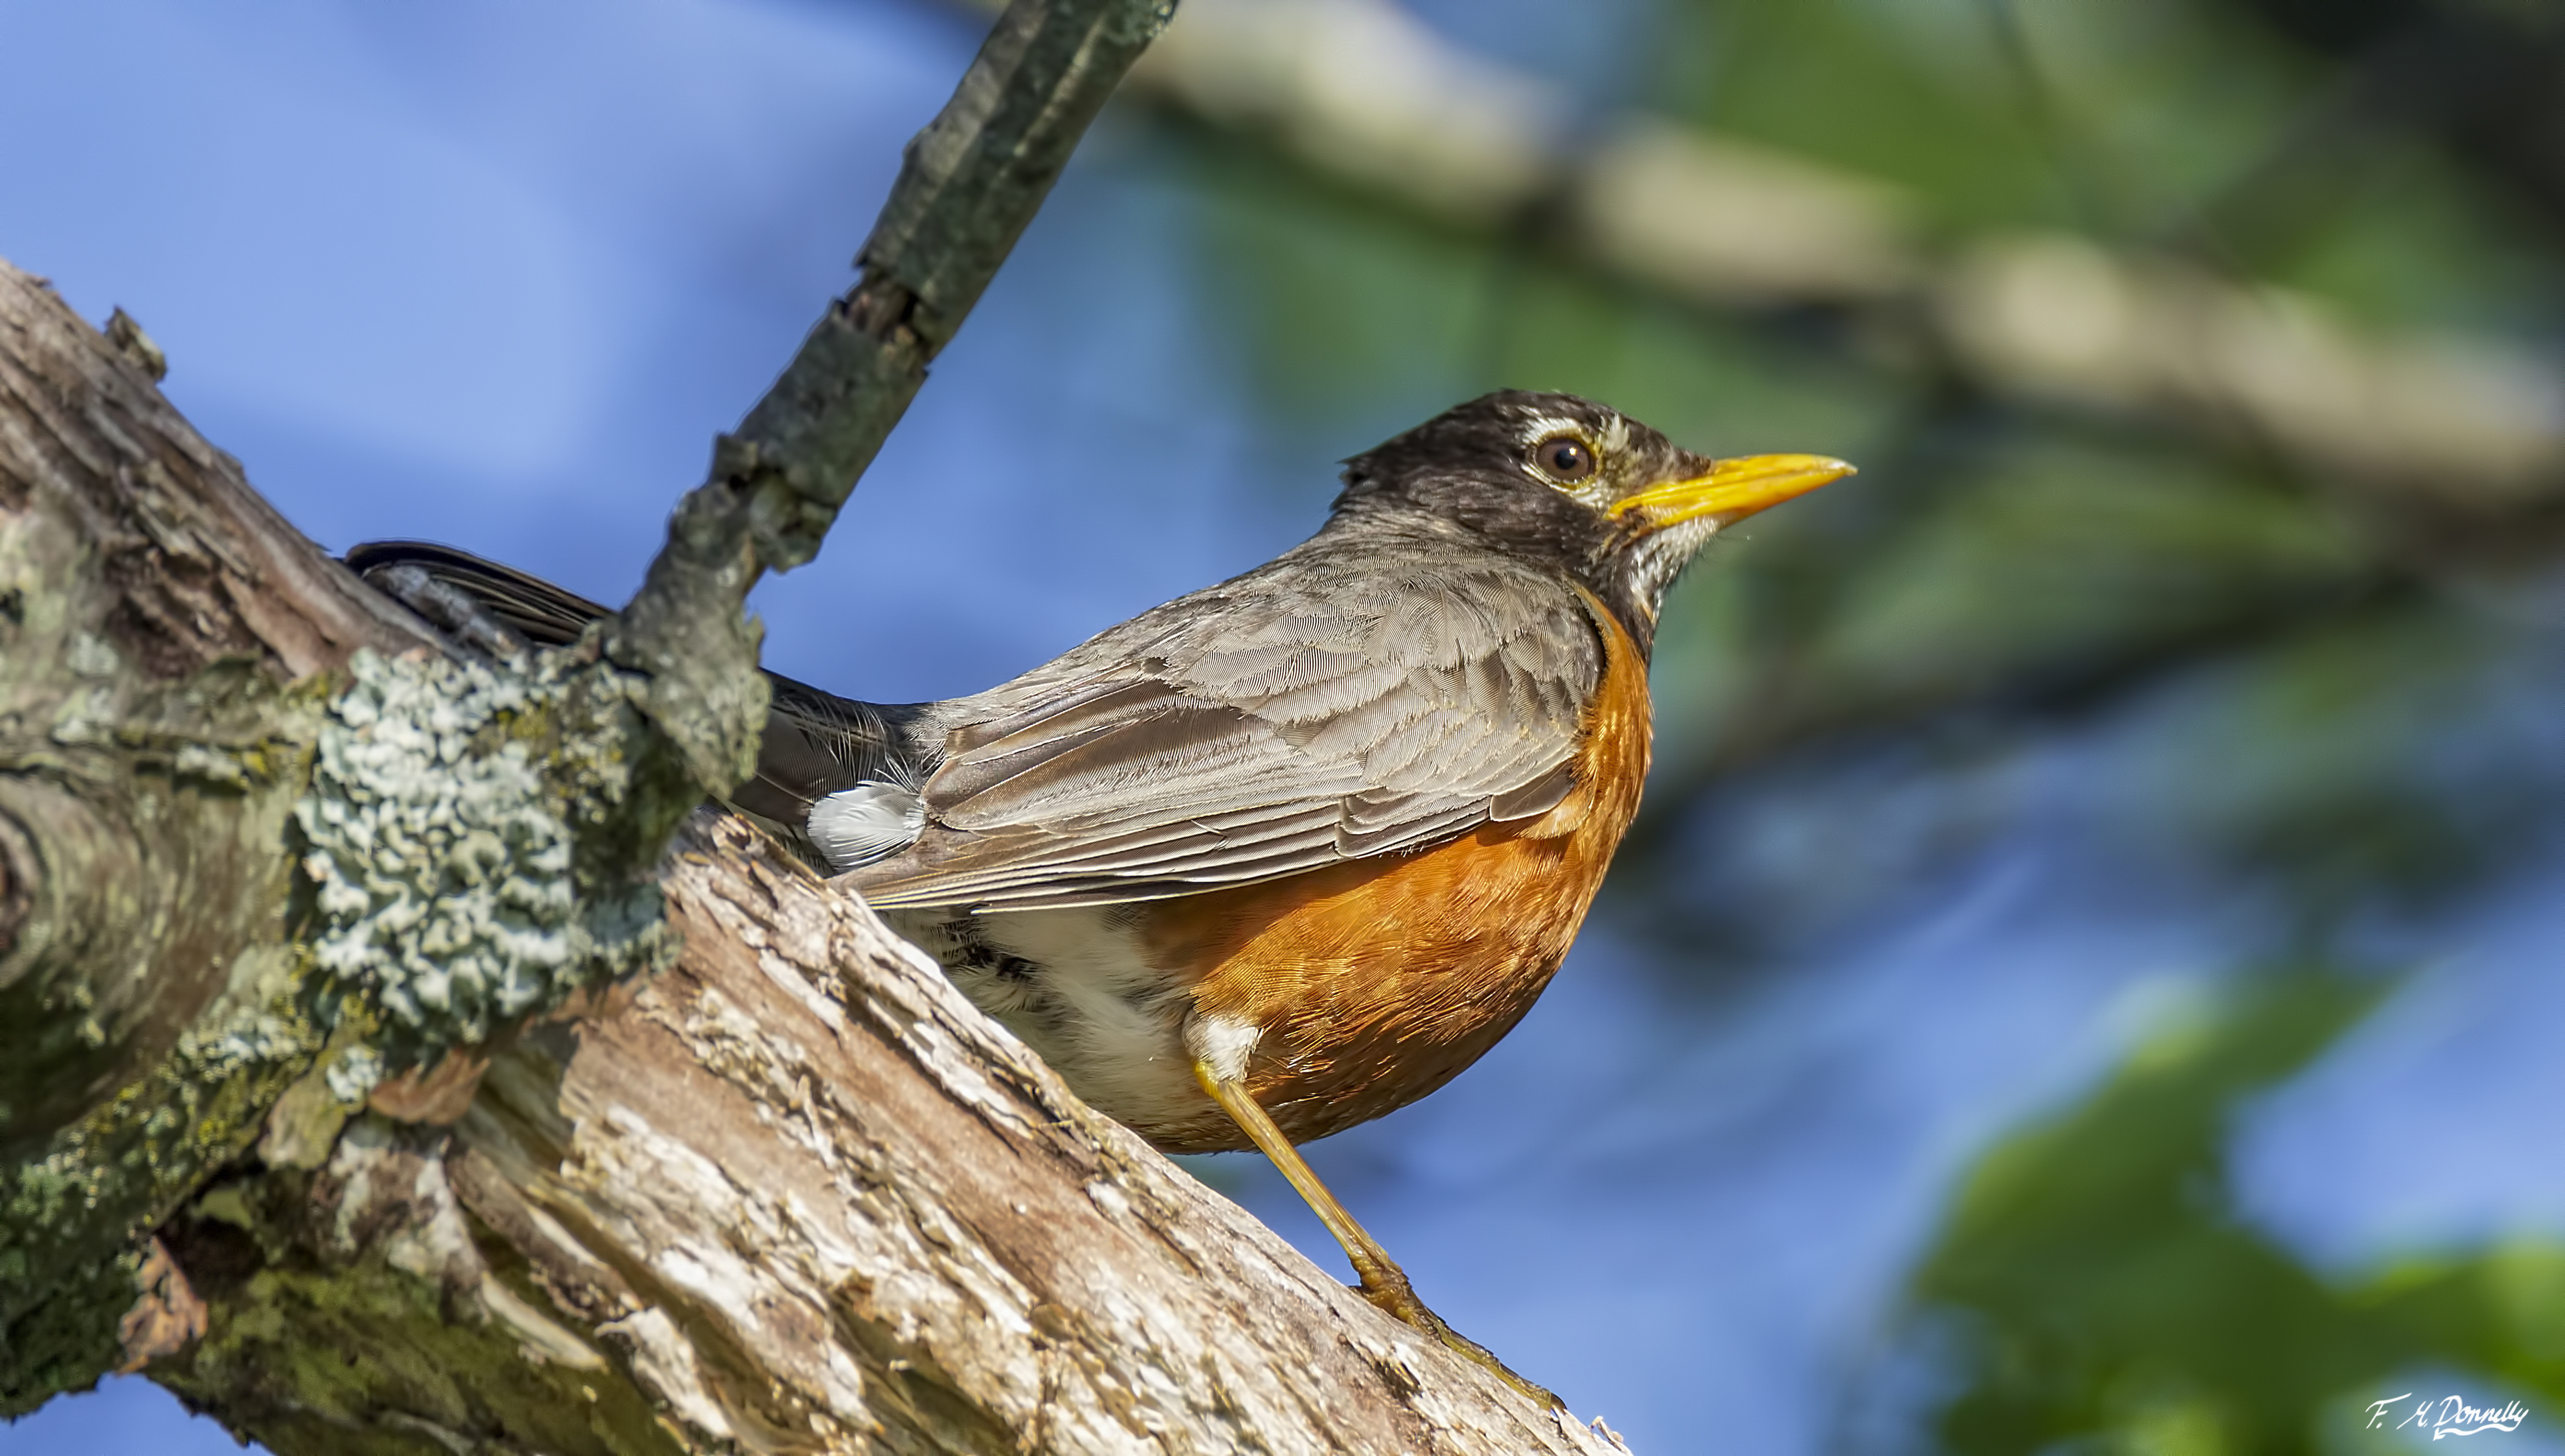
point(1732, 490)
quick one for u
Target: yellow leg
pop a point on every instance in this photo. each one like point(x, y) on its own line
point(1382, 1281)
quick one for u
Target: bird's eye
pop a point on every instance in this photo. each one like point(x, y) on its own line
point(1563, 458)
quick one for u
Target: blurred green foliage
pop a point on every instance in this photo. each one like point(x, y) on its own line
point(2094, 1282)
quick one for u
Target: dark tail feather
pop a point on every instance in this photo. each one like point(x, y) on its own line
point(815, 741)
point(466, 596)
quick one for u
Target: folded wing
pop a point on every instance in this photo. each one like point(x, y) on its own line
point(1258, 730)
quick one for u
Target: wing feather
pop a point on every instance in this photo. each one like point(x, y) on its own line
point(1275, 724)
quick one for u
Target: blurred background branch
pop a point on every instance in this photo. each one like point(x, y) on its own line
point(2441, 424)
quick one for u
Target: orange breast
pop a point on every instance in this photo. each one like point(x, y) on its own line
point(1375, 982)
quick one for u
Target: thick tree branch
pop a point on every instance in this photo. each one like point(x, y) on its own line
point(156, 620)
point(795, 1193)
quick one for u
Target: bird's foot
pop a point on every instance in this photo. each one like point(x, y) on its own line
point(1382, 1281)
point(1391, 1294)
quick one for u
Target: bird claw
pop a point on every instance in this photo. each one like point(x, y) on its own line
point(1395, 1296)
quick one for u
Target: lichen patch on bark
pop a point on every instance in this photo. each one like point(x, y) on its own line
point(445, 851)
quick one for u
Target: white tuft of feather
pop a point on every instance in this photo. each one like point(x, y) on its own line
point(856, 826)
point(1222, 1043)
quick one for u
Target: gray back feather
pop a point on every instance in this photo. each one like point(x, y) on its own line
point(1352, 698)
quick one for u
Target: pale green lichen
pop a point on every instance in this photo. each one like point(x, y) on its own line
point(351, 1076)
point(445, 855)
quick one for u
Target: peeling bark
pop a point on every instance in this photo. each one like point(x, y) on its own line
point(794, 1194)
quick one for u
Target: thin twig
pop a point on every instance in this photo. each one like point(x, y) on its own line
point(968, 185)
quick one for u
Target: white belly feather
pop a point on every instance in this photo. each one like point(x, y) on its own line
point(1074, 985)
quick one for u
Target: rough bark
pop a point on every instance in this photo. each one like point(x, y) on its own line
point(794, 1194)
point(162, 637)
point(154, 610)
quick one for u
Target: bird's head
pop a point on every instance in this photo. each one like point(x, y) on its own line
point(1572, 484)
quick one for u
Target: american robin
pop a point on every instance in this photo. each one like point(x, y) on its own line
point(1288, 853)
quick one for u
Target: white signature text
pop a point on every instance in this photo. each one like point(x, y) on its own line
point(2448, 1415)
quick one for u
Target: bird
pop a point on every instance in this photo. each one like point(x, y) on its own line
point(1291, 852)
